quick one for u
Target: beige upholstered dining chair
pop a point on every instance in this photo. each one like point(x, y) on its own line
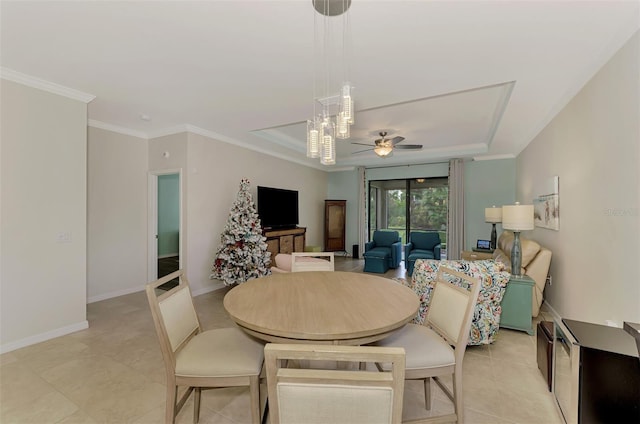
point(345, 394)
point(196, 359)
point(437, 347)
point(312, 261)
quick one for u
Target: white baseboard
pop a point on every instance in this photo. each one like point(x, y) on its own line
point(116, 293)
point(216, 286)
point(38, 338)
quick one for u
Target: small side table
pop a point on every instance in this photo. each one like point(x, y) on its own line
point(516, 304)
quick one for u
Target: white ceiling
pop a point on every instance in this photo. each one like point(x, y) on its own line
point(464, 79)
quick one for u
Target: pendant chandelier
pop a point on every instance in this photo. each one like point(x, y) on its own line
point(333, 114)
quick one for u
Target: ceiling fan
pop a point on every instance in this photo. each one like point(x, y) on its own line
point(384, 146)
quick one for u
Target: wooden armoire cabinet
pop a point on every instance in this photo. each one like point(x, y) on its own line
point(335, 215)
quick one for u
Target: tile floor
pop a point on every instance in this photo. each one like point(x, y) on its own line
point(113, 373)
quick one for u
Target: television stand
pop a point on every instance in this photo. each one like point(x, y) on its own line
point(284, 240)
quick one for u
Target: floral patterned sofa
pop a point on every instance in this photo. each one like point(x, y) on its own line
point(493, 279)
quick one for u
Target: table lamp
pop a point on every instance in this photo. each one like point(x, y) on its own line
point(493, 215)
point(517, 218)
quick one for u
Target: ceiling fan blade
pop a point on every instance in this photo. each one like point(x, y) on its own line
point(362, 151)
point(362, 144)
point(409, 146)
point(396, 140)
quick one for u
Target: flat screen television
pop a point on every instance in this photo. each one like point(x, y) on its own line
point(277, 207)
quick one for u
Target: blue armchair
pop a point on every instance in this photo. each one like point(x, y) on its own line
point(422, 245)
point(383, 252)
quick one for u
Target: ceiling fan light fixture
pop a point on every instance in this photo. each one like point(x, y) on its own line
point(383, 151)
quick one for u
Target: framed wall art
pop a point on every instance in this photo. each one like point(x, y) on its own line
point(546, 205)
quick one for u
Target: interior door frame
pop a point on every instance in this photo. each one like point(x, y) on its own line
point(152, 230)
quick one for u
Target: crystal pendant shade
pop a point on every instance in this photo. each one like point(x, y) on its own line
point(313, 139)
point(346, 104)
point(328, 144)
point(344, 128)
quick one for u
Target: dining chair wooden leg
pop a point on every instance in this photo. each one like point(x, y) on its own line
point(196, 405)
point(457, 396)
point(254, 392)
point(172, 397)
point(427, 393)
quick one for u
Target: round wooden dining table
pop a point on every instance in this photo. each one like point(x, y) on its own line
point(321, 307)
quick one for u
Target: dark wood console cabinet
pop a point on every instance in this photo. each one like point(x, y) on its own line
point(596, 373)
point(335, 215)
point(285, 240)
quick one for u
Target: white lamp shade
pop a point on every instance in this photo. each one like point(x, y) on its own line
point(517, 217)
point(493, 214)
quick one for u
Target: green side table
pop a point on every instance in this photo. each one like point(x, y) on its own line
point(516, 304)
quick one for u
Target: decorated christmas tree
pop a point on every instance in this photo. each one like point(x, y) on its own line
point(242, 254)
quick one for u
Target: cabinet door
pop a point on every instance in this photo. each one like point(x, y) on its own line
point(286, 244)
point(298, 243)
point(335, 225)
point(273, 246)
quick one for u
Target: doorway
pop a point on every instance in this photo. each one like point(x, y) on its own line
point(165, 224)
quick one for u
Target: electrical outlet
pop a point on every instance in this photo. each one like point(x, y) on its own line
point(549, 280)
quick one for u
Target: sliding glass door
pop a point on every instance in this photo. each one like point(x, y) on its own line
point(407, 205)
point(428, 205)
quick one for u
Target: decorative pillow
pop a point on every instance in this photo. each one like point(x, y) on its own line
point(493, 281)
point(283, 261)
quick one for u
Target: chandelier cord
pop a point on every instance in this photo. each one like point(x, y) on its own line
point(325, 54)
point(313, 62)
point(345, 24)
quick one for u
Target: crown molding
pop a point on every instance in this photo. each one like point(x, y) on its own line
point(494, 157)
point(193, 129)
point(28, 80)
point(114, 128)
point(213, 135)
point(167, 131)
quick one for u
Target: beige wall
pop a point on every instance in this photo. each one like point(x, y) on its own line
point(117, 214)
point(593, 145)
point(215, 170)
point(43, 215)
point(211, 172)
point(119, 166)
